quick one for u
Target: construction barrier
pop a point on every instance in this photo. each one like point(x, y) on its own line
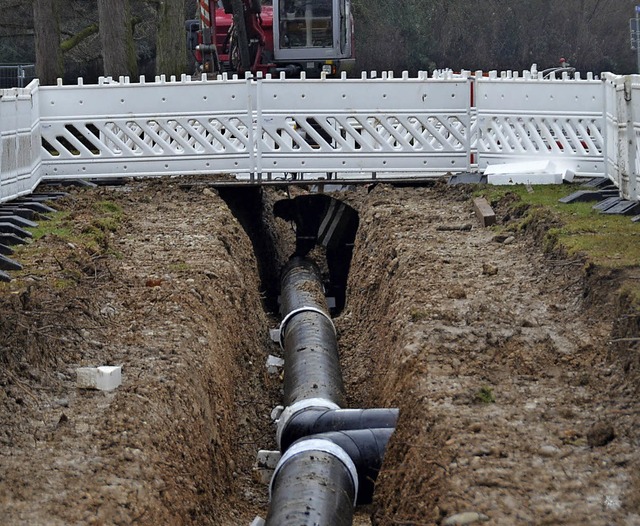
point(258, 129)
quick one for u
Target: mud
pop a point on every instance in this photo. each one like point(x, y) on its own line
point(515, 371)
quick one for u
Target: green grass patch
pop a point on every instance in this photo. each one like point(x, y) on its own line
point(485, 395)
point(57, 225)
point(610, 241)
point(108, 207)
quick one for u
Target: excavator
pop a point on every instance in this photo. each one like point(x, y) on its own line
point(278, 36)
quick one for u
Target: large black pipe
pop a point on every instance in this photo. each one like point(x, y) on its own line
point(314, 420)
point(315, 486)
point(320, 478)
point(301, 286)
point(307, 335)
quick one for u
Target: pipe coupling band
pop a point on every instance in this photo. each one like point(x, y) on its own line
point(285, 321)
point(325, 446)
point(302, 405)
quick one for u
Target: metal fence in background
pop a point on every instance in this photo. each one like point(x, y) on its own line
point(16, 75)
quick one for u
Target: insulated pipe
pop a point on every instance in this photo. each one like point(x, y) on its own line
point(308, 337)
point(314, 484)
point(313, 420)
point(320, 478)
point(365, 448)
point(327, 496)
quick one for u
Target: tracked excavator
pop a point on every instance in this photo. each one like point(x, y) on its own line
point(278, 36)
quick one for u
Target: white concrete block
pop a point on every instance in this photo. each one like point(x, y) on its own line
point(274, 334)
point(103, 378)
point(526, 178)
point(267, 458)
point(274, 364)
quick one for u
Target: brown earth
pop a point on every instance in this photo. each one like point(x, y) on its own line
point(515, 404)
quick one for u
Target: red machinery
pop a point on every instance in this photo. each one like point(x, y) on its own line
point(288, 36)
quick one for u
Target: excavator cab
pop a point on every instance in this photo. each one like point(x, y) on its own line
point(316, 35)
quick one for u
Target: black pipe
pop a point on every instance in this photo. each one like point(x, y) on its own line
point(366, 449)
point(314, 420)
point(321, 477)
point(339, 469)
point(311, 363)
point(307, 334)
point(314, 487)
point(301, 286)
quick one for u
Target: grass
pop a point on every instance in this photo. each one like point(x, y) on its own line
point(485, 395)
point(57, 225)
point(610, 241)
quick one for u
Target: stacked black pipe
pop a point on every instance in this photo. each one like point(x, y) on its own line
point(330, 456)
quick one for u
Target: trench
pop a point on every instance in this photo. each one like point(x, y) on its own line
point(327, 456)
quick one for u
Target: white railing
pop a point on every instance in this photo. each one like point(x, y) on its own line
point(524, 118)
point(261, 129)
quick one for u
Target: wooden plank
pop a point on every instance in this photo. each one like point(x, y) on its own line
point(484, 212)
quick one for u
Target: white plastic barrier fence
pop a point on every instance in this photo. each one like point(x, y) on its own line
point(256, 127)
point(263, 128)
point(526, 118)
point(19, 141)
point(364, 125)
point(622, 111)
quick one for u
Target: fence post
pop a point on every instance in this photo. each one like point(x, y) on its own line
point(633, 120)
point(627, 172)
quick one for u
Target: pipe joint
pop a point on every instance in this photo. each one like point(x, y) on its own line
point(303, 405)
point(285, 321)
point(325, 446)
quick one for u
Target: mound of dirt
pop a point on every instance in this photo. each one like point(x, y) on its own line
point(172, 296)
point(499, 369)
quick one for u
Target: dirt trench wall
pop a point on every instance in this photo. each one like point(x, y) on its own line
point(175, 300)
point(382, 364)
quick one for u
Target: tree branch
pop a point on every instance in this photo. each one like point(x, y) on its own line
point(73, 41)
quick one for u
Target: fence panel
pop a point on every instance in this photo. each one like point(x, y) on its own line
point(364, 125)
point(162, 128)
point(16, 76)
point(19, 141)
point(521, 119)
point(263, 127)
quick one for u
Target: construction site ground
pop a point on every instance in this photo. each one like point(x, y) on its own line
point(515, 368)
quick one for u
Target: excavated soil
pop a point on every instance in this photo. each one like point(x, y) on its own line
point(515, 371)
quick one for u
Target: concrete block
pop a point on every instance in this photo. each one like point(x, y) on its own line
point(265, 465)
point(274, 334)
point(484, 212)
point(274, 364)
point(103, 378)
point(267, 458)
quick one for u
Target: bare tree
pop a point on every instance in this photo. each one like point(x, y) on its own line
point(116, 34)
point(171, 49)
point(49, 63)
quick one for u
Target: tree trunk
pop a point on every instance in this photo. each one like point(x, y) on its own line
point(49, 64)
point(171, 49)
point(116, 35)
